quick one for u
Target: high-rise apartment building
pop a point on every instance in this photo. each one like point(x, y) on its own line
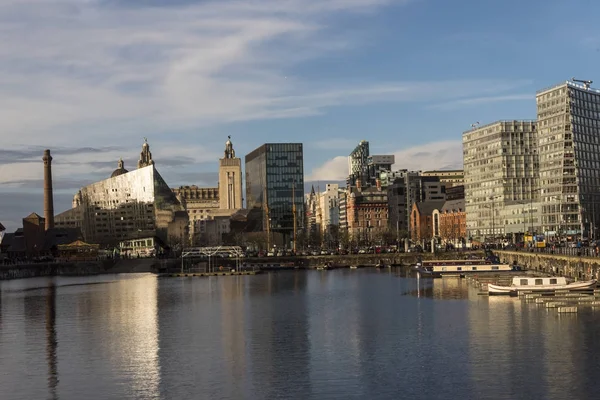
point(569, 150)
point(448, 178)
point(358, 164)
point(500, 169)
point(274, 184)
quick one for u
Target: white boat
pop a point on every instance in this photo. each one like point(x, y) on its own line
point(539, 284)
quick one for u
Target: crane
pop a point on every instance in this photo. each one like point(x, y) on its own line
point(586, 84)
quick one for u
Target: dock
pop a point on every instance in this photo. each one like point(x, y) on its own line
point(206, 274)
point(563, 301)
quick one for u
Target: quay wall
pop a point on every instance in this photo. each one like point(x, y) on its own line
point(83, 268)
point(20, 271)
point(362, 259)
point(580, 268)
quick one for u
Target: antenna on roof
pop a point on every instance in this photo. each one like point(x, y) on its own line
point(586, 84)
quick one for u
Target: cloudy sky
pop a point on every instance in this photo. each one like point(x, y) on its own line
point(91, 78)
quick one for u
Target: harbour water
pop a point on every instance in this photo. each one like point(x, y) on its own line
point(342, 334)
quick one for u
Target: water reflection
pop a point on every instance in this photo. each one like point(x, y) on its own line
point(51, 340)
point(451, 288)
point(297, 335)
point(278, 335)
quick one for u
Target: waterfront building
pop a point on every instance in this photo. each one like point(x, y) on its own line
point(448, 178)
point(407, 188)
point(452, 222)
point(2, 230)
point(424, 223)
point(343, 211)
point(366, 213)
point(569, 157)
point(500, 169)
point(128, 204)
point(207, 203)
point(275, 186)
point(358, 165)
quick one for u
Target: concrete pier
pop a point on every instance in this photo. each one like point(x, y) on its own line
point(578, 268)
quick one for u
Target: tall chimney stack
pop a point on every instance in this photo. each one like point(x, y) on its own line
point(48, 196)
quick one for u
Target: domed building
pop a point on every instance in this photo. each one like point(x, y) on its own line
point(120, 169)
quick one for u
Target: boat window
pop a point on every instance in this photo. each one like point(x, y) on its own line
point(524, 282)
point(553, 281)
point(474, 268)
point(539, 281)
point(495, 267)
point(459, 268)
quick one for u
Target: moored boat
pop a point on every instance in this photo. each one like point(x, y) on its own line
point(437, 268)
point(540, 284)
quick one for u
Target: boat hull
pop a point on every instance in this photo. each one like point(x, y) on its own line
point(497, 289)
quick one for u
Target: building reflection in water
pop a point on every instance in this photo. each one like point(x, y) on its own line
point(514, 343)
point(450, 288)
point(278, 337)
point(136, 323)
point(51, 340)
point(117, 336)
point(233, 339)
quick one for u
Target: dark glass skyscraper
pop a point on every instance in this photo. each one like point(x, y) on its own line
point(272, 171)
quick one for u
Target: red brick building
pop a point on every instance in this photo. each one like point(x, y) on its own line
point(453, 222)
point(423, 225)
point(367, 213)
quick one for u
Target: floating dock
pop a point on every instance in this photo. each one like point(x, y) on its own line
point(206, 274)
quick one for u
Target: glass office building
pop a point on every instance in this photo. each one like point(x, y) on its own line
point(569, 151)
point(274, 182)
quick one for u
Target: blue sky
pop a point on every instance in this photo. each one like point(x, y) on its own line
point(90, 79)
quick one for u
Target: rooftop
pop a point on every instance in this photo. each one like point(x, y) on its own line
point(568, 83)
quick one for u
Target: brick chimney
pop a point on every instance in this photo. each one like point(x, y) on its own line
point(48, 195)
point(378, 184)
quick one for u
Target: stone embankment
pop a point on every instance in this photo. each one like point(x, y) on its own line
point(18, 271)
point(581, 268)
point(83, 268)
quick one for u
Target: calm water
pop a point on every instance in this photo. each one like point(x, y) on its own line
point(353, 334)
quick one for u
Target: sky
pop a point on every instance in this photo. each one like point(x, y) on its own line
point(90, 79)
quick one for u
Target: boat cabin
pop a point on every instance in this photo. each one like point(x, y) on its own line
point(431, 263)
point(539, 281)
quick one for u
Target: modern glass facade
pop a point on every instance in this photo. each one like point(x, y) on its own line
point(272, 171)
point(358, 164)
point(132, 204)
point(569, 149)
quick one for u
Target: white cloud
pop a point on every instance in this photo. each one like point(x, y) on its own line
point(335, 169)
point(90, 63)
point(475, 101)
point(115, 70)
point(89, 166)
point(435, 155)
